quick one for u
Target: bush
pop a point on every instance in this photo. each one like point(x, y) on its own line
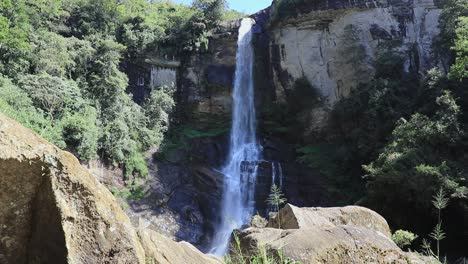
point(136, 164)
point(16, 104)
point(403, 238)
point(303, 95)
point(81, 133)
point(283, 9)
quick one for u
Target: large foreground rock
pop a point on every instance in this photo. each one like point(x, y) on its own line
point(329, 235)
point(52, 210)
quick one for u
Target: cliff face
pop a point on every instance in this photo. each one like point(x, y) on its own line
point(335, 48)
point(333, 44)
point(206, 79)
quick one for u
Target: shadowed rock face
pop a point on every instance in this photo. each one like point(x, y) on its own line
point(29, 218)
point(52, 210)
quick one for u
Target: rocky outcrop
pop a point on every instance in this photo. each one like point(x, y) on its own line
point(334, 45)
point(334, 48)
point(292, 217)
point(206, 79)
point(52, 210)
point(329, 235)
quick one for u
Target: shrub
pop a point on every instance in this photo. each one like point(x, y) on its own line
point(304, 95)
point(403, 238)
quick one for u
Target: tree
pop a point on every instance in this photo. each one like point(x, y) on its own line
point(138, 36)
point(92, 17)
point(52, 54)
point(459, 70)
point(15, 103)
point(14, 34)
point(106, 82)
point(451, 13)
point(420, 159)
point(212, 10)
point(80, 132)
point(276, 199)
point(52, 94)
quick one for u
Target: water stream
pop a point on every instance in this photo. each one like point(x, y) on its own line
point(240, 171)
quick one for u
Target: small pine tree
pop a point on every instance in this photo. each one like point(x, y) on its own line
point(276, 199)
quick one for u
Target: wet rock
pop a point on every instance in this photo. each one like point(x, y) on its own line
point(210, 184)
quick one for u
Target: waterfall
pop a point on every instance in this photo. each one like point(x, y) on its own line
point(276, 172)
point(271, 207)
point(280, 170)
point(240, 171)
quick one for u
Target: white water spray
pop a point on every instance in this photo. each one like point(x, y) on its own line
point(280, 170)
point(240, 172)
point(276, 172)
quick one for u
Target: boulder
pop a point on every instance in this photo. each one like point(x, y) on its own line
point(292, 217)
point(167, 251)
point(52, 210)
point(328, 235)
point(346, 244)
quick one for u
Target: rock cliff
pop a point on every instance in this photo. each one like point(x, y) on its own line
point(52, 210)
point(333, 44)
point(335, 48)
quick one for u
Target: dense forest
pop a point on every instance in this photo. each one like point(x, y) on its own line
point(392, 145)
point(61, 75)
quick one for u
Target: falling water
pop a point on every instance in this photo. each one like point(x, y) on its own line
point(272, 207)
point(241, 169)
point(280, 170)
point(276, 179)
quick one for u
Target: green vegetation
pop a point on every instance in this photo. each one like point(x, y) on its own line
point(440, 202)
point(403, 238)
point(61, 74)
point(282, 9)
point(276, 200)
point(131, 192)
point(458, 69)
point(304, 95)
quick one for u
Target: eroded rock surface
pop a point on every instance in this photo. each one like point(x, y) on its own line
point(52, 210)
point(292, 217)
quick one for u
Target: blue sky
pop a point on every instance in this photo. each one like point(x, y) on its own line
point(247, 6)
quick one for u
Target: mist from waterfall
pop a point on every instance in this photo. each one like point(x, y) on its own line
point(240, 171)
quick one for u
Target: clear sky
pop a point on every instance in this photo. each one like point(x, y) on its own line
point(247, 6)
